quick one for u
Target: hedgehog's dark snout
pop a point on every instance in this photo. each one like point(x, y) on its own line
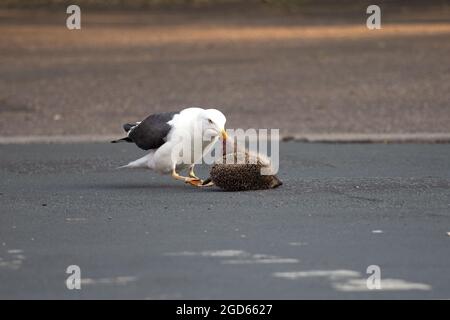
point(275, 182)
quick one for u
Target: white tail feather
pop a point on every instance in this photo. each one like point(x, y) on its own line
point(144, 162)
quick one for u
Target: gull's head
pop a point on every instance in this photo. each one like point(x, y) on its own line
point(213, 123)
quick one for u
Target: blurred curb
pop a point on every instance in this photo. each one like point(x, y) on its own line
point(371, 138)
point(58, 139)
point(313, 138)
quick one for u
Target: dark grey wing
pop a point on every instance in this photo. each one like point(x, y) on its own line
point(152, 132)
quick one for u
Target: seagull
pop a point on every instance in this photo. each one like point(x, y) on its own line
point(165, 134)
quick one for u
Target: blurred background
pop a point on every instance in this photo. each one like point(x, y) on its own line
point(301, 66)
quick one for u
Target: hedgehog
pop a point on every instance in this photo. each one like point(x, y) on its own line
point(241, 171)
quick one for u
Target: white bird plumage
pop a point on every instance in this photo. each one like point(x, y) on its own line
point(189, 127)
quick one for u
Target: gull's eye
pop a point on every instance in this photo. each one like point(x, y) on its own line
point(210, 121)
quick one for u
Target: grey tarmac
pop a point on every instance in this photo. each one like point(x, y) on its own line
point(136, 234)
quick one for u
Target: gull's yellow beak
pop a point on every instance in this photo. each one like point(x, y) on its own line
point(224, 135)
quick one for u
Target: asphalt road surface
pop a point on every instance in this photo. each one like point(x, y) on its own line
point(299, 72)
point(135, 234)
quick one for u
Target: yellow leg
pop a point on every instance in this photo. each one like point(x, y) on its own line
point(192, 181)
point(207, 183)
point(191, 173)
